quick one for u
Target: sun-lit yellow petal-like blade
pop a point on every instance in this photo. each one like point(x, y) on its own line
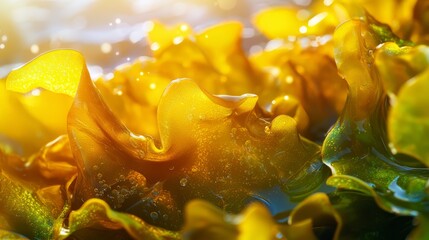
point(57, 71)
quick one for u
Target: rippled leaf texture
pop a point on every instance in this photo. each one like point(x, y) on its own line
point(344, 215)
point(397, 65)
point(133, 94)
point(149, 152)
point(361, 218)
point(301, 79)
point(221, 67)
point(313, 94)
point(214, 57)
point(95, 213)
point(406, 18)
point(404, 74)
point(421, 232)
point(317, 20)
point(11, 235)
point(420, 22)
point(35, 90)
point(61, 77)
point(220, 148)
point(23, 211)
point(206, 124)
point(355, 148)
point(205, 221)
point(398, 14)
point(20, 118)
point(408, 120)
point(319, 210)
point(35, 191)
point(54, 161)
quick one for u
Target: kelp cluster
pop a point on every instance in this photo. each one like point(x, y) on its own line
point(202, 141)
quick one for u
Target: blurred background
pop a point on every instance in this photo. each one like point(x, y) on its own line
point(110, 32)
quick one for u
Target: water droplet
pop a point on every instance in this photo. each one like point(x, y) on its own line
point(2, 46)
point(154, 216)
point(393, 148)
point(141, 153)
point(190, 116)
point(233, 132)
point(134, 143)
point(4, 38)
point(118, 21)
point(124, 191)
point(118, 91)
point(194, 169)
point(171, 168)
point(267, 130)
point(183, 182)
point(95, 167)
point(99, 176)
point(248, 145)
